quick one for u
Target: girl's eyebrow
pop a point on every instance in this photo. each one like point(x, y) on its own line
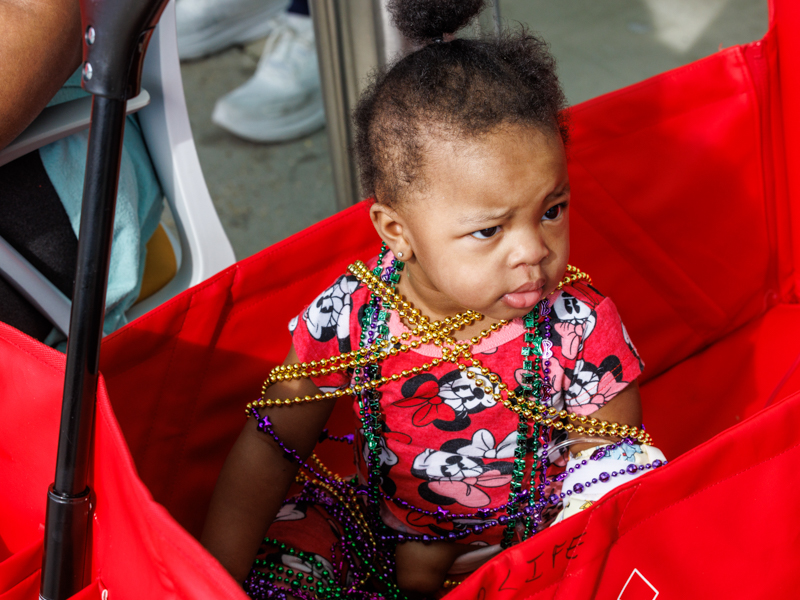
point(484, 216)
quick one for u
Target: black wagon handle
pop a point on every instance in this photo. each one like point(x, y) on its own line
point(115, 38)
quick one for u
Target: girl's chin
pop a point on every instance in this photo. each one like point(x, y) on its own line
point(504, 312)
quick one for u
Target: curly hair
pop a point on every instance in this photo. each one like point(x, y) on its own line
point(454, 90)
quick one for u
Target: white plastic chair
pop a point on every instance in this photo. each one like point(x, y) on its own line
point(202, 248)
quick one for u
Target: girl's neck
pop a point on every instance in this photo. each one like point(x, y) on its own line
point(433, 304)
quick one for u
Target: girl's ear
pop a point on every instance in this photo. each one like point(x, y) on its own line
point(391, 227)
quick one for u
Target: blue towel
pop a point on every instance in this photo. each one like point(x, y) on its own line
point(139, 203)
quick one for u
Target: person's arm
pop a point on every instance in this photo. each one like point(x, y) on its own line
point(590, 477)
point(40, 49)
point(256, 476)
point(625, 408)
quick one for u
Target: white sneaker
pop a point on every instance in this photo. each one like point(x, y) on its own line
point(206, 26)
point(283, 100)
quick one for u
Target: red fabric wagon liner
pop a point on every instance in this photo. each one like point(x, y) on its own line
point(682, 196)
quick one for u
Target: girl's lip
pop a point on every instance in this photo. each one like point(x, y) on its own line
point(525, 296)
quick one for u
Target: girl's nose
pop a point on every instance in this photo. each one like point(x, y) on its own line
point(528, 249)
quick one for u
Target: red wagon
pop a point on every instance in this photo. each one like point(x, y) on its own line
point(686, 190)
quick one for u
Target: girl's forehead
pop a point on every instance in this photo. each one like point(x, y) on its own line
point(499, 168)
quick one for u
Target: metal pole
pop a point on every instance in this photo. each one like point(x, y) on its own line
point(353, 38)
point(496, 14)
point(338, 106)
point(68, 501)
point(115, 41)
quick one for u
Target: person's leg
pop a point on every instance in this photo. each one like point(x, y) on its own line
point(208, 26)
point(283, 99)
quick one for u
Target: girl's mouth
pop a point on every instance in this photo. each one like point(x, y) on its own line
point(525, 296)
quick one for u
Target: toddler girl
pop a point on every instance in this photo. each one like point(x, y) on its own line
point(475, 354)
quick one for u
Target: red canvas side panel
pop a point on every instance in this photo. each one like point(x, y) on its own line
point(762, 60)
point(27, 589)
point(18, 567)
point(31, 384)
point(702, 527)
point(725, 384)
point(91, 592)
point(180, 376)
point(138, 549)
point(786, 23)
point(671, 220)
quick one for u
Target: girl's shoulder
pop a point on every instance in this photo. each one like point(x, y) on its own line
point(577, 296)
point(584, 319)
point(333, 313)
point(582, 304)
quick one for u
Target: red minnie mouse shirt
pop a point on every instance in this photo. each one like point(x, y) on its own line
point(446, 441)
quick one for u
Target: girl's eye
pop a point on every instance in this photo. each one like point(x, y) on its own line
point(485, 234)
point(553, 212)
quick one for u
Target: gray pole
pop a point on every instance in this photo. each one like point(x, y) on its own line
point(353, 38)
point(496, 14)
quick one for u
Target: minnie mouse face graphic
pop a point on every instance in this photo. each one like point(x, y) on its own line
point(574, 322)
point(446, 402)
point(384, 456)
point(329, 315)
point(592, 387)
point(459, 471)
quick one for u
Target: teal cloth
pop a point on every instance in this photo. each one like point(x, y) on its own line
point(139, 203)
point(71, 90)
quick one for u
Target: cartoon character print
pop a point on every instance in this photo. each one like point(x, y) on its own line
point(448, 401)
point(292, 511)
point(633, 349)
point(574, 322)
point(483, 445)
point(386, 458)
point(555, 382)
point(461, 470)
point(593, 386)
point(329, 315)
point(626, 452)
point(318, 566)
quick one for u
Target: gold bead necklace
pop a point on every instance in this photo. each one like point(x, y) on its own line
point(438, 333)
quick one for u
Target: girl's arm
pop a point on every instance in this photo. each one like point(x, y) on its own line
point(585, 483)
point(256, 476)
point(625, 408)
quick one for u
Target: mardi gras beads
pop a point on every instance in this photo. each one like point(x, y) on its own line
point(357, 507)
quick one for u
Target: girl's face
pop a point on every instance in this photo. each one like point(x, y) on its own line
point(489, 230)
